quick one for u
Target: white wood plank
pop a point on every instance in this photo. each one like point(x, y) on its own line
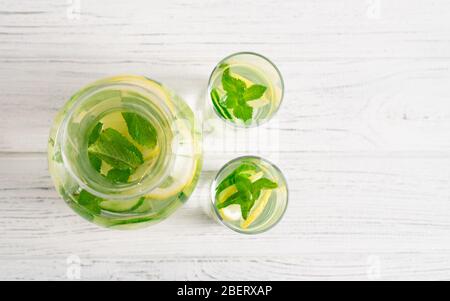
point(315, 266)
point(338, 203)
point(353, 83)
point(362, 136)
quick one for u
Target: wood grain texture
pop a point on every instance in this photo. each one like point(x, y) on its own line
point(362, 136)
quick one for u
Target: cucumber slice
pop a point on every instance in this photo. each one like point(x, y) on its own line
point(121, 206)
point(219, 108)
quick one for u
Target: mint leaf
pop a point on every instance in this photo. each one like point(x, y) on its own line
point(140, 129)
point(89, 201)
point(260, 184)
point(243, 197)
point(231, 101)
point(95, 133)
point(238, 94)
point(265, 183)
point(244, 187)
point(246, 207)
point(247, 192)
point(254, 92)
point(246, 167)
point(229, 180)
point(118, 175)
point(113, 148)
point(234, 199)
point(95, 161)
point(232, 85)
point(223, 66)
point(243, 112)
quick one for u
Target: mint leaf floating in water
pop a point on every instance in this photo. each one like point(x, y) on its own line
point(265, 183)
point(118, 175)
point(140, 129)
point(95, 133)
point(245, 169)
point(246, 190)
point(254, 92)
point(235, 199)
point(261, 184)
point(95, 161)
point(232, 85)
point(244, 187)
point(231, 101)
point(243, 112)
point(237, 96)
point(113, 148)
point(89, 201)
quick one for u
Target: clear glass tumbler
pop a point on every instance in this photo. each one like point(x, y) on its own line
point(246, 89)
point(249, 195)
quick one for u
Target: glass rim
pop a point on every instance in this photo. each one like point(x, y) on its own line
point(82, 95)
point(262, 57)
point(213, 194)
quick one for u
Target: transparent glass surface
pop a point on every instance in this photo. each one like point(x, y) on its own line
point(245, 89)
point(268, 208)
point(168, 169)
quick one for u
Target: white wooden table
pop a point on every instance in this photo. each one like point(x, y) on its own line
point(363, 136)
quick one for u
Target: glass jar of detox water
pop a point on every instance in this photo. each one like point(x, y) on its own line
point(125, 152)
point(246, 89)
point(249, 195)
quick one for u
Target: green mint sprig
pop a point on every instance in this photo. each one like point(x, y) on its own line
point(244, 169)
point(113, 148)
point(238, 94)
point(247, 192)
point(140, 129)
point(95, 161)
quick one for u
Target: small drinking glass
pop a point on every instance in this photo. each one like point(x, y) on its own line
point(249, 195)
point(246, 89)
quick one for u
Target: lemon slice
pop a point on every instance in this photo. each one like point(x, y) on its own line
point(185, 165)
point(247, 82)
point(226, 193)
point(255, 177)
point(258, 103)
point(148, 154)
point(258, 209)
point(175, 188)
